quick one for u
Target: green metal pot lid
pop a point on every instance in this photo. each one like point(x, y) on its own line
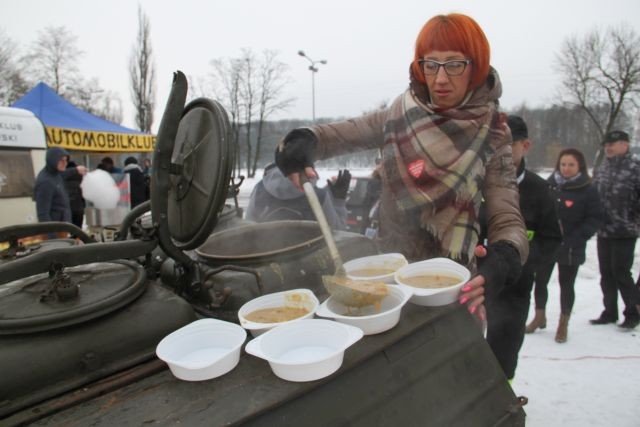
point(40, 302)
point(202, 163)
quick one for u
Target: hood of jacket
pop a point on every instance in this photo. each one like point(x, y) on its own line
point(279, 186)
point(53, 157)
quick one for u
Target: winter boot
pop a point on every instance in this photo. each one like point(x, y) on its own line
point(561, 333)
point(539, 321)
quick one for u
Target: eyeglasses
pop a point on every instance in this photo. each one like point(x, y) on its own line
point(454, 67)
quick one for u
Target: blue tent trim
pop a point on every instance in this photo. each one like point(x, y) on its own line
point(56, 111)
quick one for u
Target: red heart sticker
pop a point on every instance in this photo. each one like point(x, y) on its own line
point(568, 203)
point(416, 168)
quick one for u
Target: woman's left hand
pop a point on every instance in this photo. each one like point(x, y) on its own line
point(472, 293)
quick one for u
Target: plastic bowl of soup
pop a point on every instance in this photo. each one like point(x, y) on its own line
point(433, 282)
point(376, 267)
point(271, 310)
point(371, 319)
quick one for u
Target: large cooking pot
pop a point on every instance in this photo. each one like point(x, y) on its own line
point(254, 259)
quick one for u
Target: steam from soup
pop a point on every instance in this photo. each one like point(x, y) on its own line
point(431, 281)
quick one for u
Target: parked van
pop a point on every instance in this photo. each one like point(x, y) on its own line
point(23, 145)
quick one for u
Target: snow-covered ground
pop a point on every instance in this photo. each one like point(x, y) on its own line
point(591, 380)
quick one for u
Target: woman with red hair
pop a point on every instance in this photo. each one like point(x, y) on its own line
point(445, 147)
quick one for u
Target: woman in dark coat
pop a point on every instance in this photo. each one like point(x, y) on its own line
point(581, 215)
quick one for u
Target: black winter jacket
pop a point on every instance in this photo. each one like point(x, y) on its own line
point(72, 181)
point(137, 185)
point(539, 212)
point(581, 215)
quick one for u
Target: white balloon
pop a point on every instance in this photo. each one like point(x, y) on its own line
point(99, 188)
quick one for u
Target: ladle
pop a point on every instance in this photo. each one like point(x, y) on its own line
point(353, 293)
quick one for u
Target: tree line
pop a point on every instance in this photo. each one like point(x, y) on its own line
point(600, 90)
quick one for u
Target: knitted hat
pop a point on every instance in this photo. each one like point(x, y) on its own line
point(518, 128)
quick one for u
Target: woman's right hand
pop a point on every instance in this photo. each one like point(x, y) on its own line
point(295, 155)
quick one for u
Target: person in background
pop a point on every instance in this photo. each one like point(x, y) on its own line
point(275, 198)
point(72, 181)
point(138, 188)
point(617, 179)
point(146, 166)
point(507, 311)
point(445, 146)
point(49, 193)
point(581, 215)
point(108, 165)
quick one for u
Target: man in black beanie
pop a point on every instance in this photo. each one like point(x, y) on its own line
point(507, 311)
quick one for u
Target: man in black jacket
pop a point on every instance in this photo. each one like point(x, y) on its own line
point(507, 311)
point(137, 183)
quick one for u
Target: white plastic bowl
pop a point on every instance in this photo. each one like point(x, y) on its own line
point(305, 350)
point(392, 261)
point(369, 319)
point(436, 296)
point(303, 298)
point(202, 350)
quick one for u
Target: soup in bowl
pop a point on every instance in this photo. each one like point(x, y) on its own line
point(376, 267)
point(433, 282)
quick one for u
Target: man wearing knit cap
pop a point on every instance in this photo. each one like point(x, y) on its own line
point(507, 311)
point(617, 179)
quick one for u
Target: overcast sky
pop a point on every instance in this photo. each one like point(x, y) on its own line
point(368, 44)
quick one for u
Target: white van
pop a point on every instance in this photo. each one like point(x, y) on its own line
point(23, 145)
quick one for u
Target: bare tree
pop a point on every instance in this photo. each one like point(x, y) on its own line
point(53, 58)
point(250, 87)
point(272, 79)
point(601, 75)
point(247, 90)
point(90, 97)
point(226, 85)
point(12, 84)
point(143, 75)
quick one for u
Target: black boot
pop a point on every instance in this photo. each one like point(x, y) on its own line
point(603, 320)
point(629, 323)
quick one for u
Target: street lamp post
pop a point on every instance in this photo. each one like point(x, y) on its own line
point(313, 70)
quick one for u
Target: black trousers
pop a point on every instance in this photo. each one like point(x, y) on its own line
point(615, 257)
point(567, 279)
point(77, 217)
point(506, 320)
point(543, 275)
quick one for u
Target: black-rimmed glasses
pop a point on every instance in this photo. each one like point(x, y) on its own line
point(455, 67)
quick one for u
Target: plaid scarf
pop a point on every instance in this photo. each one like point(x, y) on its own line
point(434, 162)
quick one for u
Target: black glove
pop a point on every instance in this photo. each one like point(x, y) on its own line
point(500, 267)
point(295, 152)
point(341, 186)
